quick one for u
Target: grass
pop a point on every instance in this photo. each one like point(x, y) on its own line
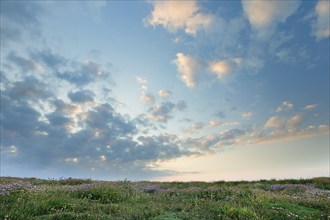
point(32, 198)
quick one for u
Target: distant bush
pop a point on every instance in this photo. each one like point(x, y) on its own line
point(322, 182)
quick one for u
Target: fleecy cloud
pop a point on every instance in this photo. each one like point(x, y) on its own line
point(76, 134)
point(286, 105)
point(188, 67)
point(320, 23)
point(192, 69)
point(264, 15)
point(83, 73)
point(181, 105)
point(294, 122)
point(195, 128)
point(283, 123)
point(148, 99)
point(220, 114)
point(274, 122)
point(25, 65)
point(82, 96)
point(247, 115)
point(161, 112)
point(175, 15)
point(143, 83)
point(164, 93)
point(310, 107)
point(18, 16)
point(221, 68)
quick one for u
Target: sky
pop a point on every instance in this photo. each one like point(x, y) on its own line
point(165, 90)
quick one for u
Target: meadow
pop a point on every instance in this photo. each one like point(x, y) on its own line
point(31, 198)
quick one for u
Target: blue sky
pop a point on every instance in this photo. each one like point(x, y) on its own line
point(165, 90)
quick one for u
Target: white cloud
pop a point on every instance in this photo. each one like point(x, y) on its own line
point(247, 115)
point(143, 83)
point(283, 135)
point(284, 106)
point(187, 66)
point(72, 159)
point(283, 124)
point(103, 158)
point(324, 128)
point(164, 93)
point(221, 68)
point(321, 23)
point(161, 112)
point(286, 55)
point(253, 64)
point(174, 15)
point(263, 15)
point(294, 122)
point(215, 123)
point(195, 128)
point(310, 107)
point(273, 122)
point(148, 99)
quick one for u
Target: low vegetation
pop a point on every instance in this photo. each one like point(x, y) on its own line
point(32, 198)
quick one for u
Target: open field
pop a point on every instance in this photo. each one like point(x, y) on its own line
point(32, 198)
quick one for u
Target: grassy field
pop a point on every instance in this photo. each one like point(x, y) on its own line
point(32, 198)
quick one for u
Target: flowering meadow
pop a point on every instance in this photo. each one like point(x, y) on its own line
point(32, 198)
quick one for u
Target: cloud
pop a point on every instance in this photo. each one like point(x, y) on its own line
point(264, 15)
point(143, 83)
point(188, 67)
point(164, 111)
point(216, 123)
point(320, 22)
point(164, 93)
point(221, 68)
point(104, 141)
point(283, 123)
point(18, 120)
point(247, 115)
point(181, 105)
point(284, 106)
point(191, 68)
point(310, 107)
point(195, 128)
point(175, 15)
point(231, 134)
point(19, 16)
point(29, 88)
point(84, 73)
point(82, 96)
point(148, 99)
point(253, 64)
point(25, 65)
point(262, 137)
point(286, 55)
point(94, 9)
point(49, 126)
point(49, 58)
point(161, 112)
point(220, 114)
point(276, 129)
point(214, 142)
point(294, 122)
point(274, 122)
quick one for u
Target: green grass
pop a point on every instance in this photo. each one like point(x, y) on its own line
point(33, 198)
